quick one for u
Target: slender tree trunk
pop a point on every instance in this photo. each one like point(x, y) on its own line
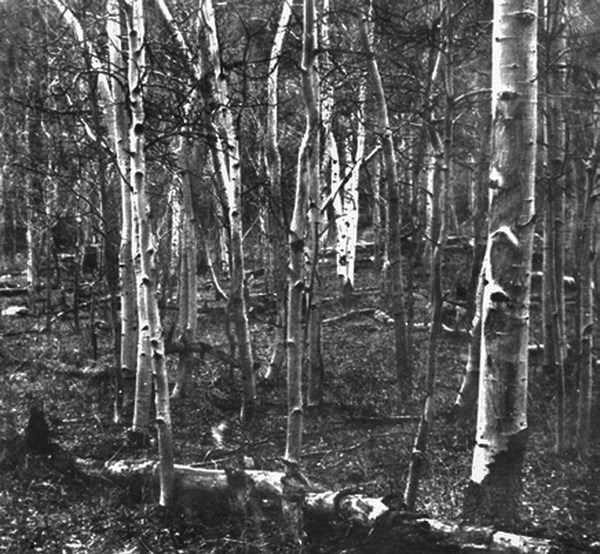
point(110, 91)
point(34, 194)
point(587, 259)
point(493, 494)
point(404, 365)
point(307, 173)
point(188, 294)
point(438, 241)
point(117, 126)
point(231, 171)
point(152, 345)
point(554, 212)
point(316, 370)
point(467, 396)
point(276, 223)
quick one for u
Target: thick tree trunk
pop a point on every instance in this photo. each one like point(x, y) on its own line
point(493, 494)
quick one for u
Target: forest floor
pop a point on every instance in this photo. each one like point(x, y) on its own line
point(356, 442)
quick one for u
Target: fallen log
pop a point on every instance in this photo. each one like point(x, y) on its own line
point(212, 490)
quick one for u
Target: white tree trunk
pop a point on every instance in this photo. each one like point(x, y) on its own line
point(275, 220)
point(307, 172)
point(347, 234)
point(232, 177)
point(493, 494)
point(151, 336)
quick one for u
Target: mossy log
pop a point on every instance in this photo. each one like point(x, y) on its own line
point(213, 492)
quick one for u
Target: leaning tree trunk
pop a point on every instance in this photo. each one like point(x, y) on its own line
point(149, 317)
point(404, 364)
point(493, 494)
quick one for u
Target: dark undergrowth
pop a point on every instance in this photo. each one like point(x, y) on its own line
point(356, 442)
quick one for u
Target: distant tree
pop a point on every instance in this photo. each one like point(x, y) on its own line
point(553, 154)
point(493, 494)
point(227, 149)
point(588, 232)
point(393, 266)
point(439, 232)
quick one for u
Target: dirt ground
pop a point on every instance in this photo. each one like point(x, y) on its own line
point(357, 442)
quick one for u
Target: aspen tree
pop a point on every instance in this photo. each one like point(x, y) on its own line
point(111, 95)
point(275, 221)
point(493, 494)
point(553, 301)
point(588, 230)
point(314, 392)
point(297, 240)
point(117, 129)
point(230, 170)
point(440, 191)
point(347, 222)
point(152, 350)
point(188, 295)
point(403, 355)
point(467, 395)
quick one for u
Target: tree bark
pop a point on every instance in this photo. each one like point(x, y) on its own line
point(188, 293)
point(230, 167)
point(307, 172)
point(117, 125)
point(493, 494)
point(589, 247)
point(438, 238)
point(149, 317)
point(553, 298)
point(276, 223)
